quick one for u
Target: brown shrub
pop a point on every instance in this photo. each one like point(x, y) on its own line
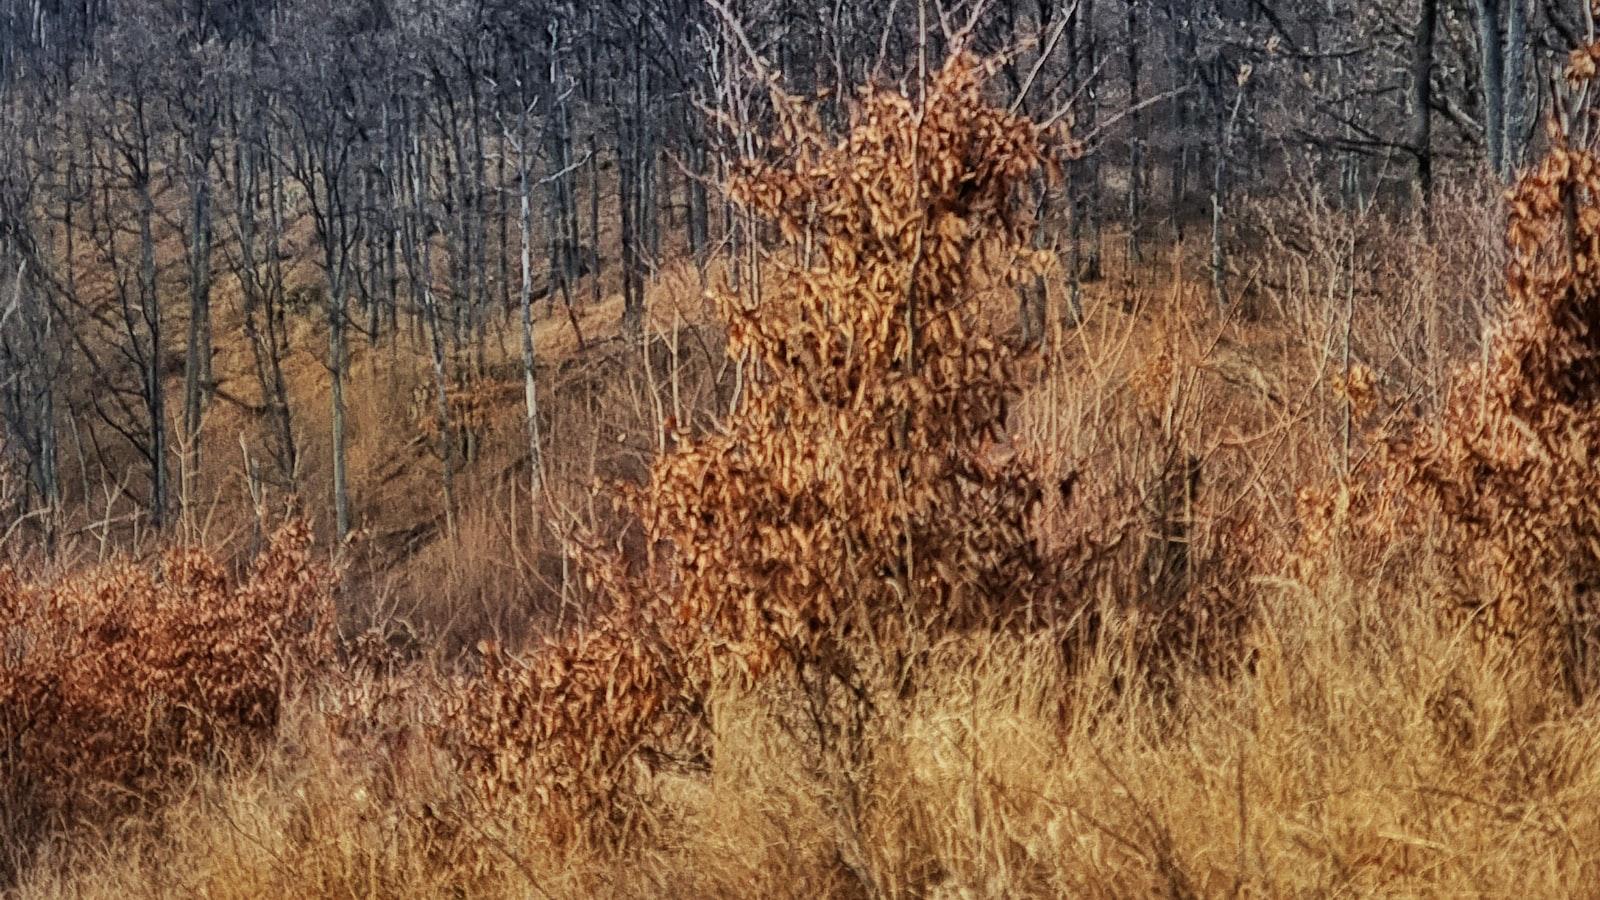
point(859, 478)
point(1501, 488)
point(860, 497)
point(114, 680)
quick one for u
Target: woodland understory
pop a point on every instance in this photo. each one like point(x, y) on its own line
point(980, 451)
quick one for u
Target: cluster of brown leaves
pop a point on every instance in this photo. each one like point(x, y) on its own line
point(858, 477)
point(553, 727)
point(473, 404)
point(855, 495)
point(1506, 478)
point(1581, 65)
point(114, 679)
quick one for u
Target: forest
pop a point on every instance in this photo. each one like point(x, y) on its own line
point(920, 448)
point(416, 169)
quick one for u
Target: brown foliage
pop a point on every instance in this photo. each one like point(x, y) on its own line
point(113, 680)
point(859, 491)
point(475, 403)
point(858, 473)
point(1503, 480)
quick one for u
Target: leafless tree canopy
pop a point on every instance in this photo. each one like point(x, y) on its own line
point(481, 141)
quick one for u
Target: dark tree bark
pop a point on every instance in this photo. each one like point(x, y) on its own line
point(1421, 139)
point(1492, 82)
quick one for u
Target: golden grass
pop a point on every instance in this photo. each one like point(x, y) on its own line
point(1368, 752)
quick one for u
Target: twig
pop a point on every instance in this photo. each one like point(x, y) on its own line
point(1044, 54)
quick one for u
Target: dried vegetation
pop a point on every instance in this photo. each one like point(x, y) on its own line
point(1180, 605)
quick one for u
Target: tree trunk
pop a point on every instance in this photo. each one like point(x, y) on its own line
point(196, 375)
point(336, 370)
point(261, 299)
point(1219, 178)
point(627, 208)
point(594, 217)
point(1491, 60)
point(1422, 95)
point(277, 332)
point(1090, 49)
point(1514, 90)
point(529, 387)
point(1135, 138)
point(155, 396)
point(419, 258)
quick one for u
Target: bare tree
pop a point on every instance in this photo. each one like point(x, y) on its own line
point(325, 117)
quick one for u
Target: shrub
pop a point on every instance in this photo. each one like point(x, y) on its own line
point(859, 497)
point(1502, 485)
point(114, 680)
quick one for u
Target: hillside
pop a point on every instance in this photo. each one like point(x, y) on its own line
point(922, 529)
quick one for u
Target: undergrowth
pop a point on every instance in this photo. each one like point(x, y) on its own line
point(925, 612)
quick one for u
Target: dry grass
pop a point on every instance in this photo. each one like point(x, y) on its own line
point(1370, 751)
